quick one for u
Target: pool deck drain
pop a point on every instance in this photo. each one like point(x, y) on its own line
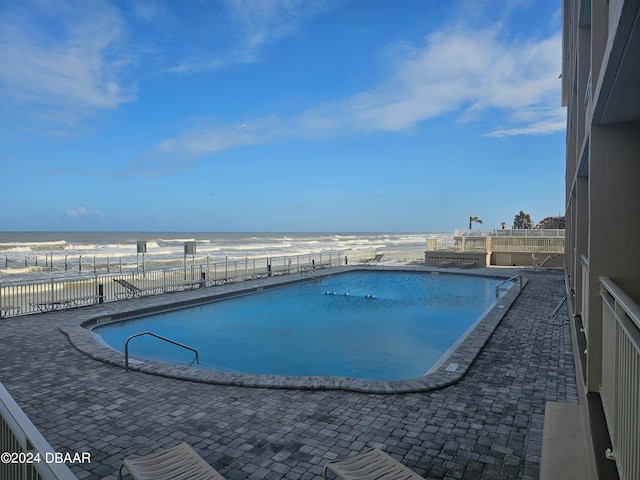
point(487, 425)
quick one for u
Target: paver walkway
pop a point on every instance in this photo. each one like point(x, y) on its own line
point(487, 426)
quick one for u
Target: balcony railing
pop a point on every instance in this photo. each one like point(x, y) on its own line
point(25, 452)
point(620, 389)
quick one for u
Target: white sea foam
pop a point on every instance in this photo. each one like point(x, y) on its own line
point(31, 246)
point(61, 254)
point(175, 240)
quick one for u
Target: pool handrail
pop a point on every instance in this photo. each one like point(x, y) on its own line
point(126, 346)
point(515, 277)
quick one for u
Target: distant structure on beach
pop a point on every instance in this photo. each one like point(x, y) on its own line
point(527, 247)
point(600, 79)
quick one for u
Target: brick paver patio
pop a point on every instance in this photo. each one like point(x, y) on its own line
point(487, 426)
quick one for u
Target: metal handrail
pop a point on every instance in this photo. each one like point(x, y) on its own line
point(543, 248)
point(518, 277)
point(126, 346)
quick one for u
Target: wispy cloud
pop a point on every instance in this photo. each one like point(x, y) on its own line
point(71, 68)
point(253, 25)
point(470, 74)
point(82, 212)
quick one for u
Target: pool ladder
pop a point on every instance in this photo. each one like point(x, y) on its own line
point(126, 347)
point(514, 278)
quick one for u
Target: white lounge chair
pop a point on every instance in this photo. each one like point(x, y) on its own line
point(373, 260)
point(132, 291)
point(370, 465)
point(175, 463)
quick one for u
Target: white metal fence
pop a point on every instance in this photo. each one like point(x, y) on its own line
point(551, 244)
point(514, 232)
point(531, 232)
point(25, 452)
point(64, 292)
point(620, 389)
point(526, 245)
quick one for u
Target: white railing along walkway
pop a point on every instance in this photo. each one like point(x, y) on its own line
point(63, 292)
point(620, 389)
point(25, 452)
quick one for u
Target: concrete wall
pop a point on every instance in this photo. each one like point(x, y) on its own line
point(456, 259)
point(506, 259)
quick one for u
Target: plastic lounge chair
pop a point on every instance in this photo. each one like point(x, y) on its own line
point(370, 465)
point(131, 291)
point(175, 463)
point(376, 259)
point(8, 309)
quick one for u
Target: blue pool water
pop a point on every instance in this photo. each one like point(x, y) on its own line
point(370, 325)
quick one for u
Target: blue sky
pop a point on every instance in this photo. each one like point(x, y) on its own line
point(279, 115)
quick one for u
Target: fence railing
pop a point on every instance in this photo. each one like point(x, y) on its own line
point(515, 232)
point(620, 389)
point(25, 452)
point(527, 245)
point(74, 291)
point(530, 232)
point(499, 244)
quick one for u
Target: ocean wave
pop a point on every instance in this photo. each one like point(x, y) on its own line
point(175, 240)
point(32, 246)
point(210, 249)
point(23, 270)
point(113, 250)
point(258, 247)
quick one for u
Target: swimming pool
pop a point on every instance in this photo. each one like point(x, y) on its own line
point(367, 325)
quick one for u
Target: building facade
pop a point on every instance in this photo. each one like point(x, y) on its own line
point(601, 90)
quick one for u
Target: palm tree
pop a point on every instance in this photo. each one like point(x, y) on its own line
point(474, 219)
point(522, 220)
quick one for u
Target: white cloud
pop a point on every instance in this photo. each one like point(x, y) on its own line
point(82, 212)
point(471, 74)
point(63, 57)
point(253, 24)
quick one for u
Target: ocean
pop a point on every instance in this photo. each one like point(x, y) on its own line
point(34, 256)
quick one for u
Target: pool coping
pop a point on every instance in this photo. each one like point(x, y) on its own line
point(450, 371)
